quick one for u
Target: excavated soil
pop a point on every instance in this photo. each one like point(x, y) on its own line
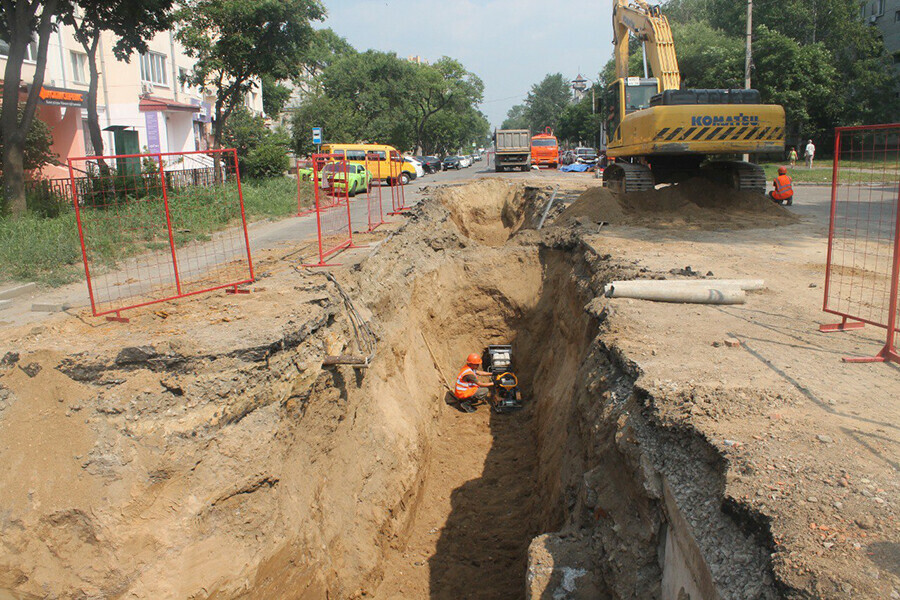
point(203, 451)
point(693, 204)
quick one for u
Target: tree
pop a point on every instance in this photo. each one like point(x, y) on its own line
point(446, 85)
point(516, 118)
point(546, 101)
point(22, 21)
point(275, 95)
point(261, 151)
point(133, 22)
point(578, 123)
point(236, 42)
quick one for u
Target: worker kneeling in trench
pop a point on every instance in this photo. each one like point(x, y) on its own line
point(468, 390)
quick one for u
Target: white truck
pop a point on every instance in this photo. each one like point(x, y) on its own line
point(513, 149)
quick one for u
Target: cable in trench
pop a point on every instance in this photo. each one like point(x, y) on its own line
point(366, 341)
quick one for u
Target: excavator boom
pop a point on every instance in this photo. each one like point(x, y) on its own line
point(652, 29)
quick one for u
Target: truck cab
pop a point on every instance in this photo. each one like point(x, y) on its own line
point(545, 149)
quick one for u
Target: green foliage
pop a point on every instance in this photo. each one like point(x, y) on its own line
point(516, 118)
point(707, 57)
point(378, 97)
point(800, 78)
point(275, 95)
point(48, 250)
point(546, 101)
point(261, 151)
point(543, 107)
point(817, 58)
point(37, 155)
point(578, 125)
point(37, 145)
point(234, 42)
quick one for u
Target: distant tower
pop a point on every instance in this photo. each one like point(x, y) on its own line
point(579, 87)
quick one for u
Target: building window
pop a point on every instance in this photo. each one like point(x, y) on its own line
point(897, 17)
point(153, 68)
point(79, 61)
point(182, 75)
point(30, 50)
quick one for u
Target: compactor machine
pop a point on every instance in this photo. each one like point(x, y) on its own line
point(660, 133)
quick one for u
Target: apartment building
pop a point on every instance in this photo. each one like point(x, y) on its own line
point(142, 104)
point(885, 15)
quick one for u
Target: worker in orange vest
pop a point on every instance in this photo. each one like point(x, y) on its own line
point(469, 390)
point(784, 188)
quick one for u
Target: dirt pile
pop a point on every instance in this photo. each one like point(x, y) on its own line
point(693, 204)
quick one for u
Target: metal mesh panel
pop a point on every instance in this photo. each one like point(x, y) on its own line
point(861, 282)
point(155, 227)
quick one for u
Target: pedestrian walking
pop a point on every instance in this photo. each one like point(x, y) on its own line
point(792, 156)
point(809, 154)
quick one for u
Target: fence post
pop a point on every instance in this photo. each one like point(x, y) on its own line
point(162, 174)
point(889, 351)
point(237, 177)
point(87, 270)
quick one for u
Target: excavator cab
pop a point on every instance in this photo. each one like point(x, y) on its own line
point(626, 96)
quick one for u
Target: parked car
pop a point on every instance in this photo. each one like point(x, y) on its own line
point(568, 157)
point(431, 164)
point(384, 161)
point(465, 161)
point(476, 156)
point(333, 177)
point(586, 156)
point(451, 162)
point(420, 171)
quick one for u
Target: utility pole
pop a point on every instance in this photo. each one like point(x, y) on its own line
point(749, 57)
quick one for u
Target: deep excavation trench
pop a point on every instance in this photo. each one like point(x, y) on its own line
point(629, 506)
point(236, 467)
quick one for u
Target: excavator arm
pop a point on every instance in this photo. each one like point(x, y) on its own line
point(652, 28)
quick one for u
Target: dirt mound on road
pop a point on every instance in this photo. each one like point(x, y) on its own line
point(694, 204)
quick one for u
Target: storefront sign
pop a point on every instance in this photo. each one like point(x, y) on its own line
point(152, 122)
point(61, 97)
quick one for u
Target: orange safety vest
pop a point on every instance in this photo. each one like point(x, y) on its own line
point(465, 389)
point(783, 188)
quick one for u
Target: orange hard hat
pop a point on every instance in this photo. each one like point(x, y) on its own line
point(782, 170)
point(473, 359)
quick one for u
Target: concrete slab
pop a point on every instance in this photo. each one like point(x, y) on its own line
point(50, 306)
point(5, 304)
point(18, 290)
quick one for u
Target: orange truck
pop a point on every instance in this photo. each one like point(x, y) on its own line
point(545, 149)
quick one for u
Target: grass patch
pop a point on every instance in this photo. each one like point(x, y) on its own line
point(47, 250)
point(850, 172)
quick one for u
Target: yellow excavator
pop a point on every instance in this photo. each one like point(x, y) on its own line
point(660, 133)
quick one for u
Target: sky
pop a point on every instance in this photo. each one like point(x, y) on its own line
point(510, 44)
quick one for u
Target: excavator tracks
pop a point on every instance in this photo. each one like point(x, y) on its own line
point(626, 177)
point(742, 176)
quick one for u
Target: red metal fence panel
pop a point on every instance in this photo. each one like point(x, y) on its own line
point(333, 178)
point(398, 196)
point(155, 227)
point(862, 277)
point(373, 201)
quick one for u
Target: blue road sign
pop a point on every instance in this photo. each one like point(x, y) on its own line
point(317, 135)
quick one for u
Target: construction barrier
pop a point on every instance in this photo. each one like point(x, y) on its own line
point(398, 196)
point(862, 277)
point(303, 171)
point(332, 181)
point(374, 205)
point(155, 227)
point(329, 195)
